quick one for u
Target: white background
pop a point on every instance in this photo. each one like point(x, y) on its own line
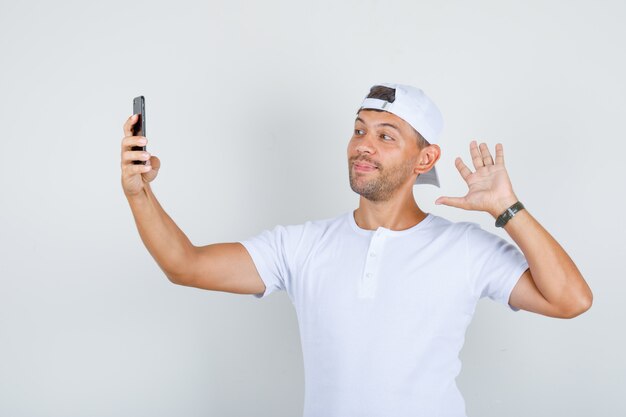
point(250, 106)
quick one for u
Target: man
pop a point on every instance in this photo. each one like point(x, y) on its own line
point(384, 294)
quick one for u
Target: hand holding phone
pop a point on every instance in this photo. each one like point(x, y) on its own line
point(139, 128)
point(134, 177)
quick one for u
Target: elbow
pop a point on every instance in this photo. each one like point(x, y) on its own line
point(583, 304)
point(172, 278)
point(180, 273)
point(176, 278)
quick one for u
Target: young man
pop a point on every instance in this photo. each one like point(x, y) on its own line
point(383, 294)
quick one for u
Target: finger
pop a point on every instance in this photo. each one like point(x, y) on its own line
point(499, 154)
point(129, 141)
point(477, 159)
point(484, 150)
point(128, 131)
point(129, 156)
point(463, 169)
point(458, 202)
point(130, 170)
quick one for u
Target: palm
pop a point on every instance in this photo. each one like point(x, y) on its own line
point(489, 186)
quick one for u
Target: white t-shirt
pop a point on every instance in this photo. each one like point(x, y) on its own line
point(383, 314)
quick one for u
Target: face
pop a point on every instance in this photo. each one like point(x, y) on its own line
point(382, 154)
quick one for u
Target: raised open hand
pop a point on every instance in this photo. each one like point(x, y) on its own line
point(490, 189)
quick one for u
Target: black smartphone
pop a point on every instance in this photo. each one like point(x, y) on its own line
point(139, 128)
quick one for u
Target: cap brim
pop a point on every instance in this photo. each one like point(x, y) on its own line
point(429, 177)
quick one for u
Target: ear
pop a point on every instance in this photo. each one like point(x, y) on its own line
point(427, 158)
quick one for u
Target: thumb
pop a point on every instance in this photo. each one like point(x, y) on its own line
point(155, 162)
point(451, 201)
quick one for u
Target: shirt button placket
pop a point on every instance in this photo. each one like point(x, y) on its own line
point(369, 280)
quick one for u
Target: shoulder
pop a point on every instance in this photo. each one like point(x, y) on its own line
point(311, 229)
point(467, 236)
point(442, 226)
point(316, 224)
point(476, 236)
point(474, 232)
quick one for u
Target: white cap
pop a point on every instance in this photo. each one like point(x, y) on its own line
point(414, 107)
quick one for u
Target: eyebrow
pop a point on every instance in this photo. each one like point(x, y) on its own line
point(381, 124)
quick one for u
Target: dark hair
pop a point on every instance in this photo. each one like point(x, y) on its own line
point(383, 93)
point(389, 94)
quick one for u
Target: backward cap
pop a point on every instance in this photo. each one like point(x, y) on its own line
point(418, 110)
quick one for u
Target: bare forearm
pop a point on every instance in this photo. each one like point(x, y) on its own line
point(167, 244)
point(553, 271)
point(554, 286)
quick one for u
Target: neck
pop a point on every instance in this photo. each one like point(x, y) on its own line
point(394, 214)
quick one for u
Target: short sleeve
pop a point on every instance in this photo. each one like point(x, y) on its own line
point(495, 265)
point(269, 251)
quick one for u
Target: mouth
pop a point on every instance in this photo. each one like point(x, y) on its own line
point(361, 166)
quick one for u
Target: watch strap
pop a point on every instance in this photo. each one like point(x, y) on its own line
point(508, 214)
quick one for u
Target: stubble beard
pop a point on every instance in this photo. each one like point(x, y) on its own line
point(380, 187)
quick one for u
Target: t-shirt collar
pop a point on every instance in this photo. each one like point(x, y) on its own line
point(383, 230)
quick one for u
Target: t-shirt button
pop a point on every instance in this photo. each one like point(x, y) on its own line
point(372, 254)
point(369, 275)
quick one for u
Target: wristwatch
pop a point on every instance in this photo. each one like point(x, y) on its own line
point(508, 214)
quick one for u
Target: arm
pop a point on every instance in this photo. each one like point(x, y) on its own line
point(220, 267)
point(167, 244)
point(552, 285)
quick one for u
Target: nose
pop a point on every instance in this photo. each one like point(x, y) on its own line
point(365, 144)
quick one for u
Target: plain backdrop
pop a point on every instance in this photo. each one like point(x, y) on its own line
point(250, 106)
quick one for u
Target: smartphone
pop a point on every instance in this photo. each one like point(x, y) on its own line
point(139, 128)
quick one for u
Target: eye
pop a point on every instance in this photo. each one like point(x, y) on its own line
point(358, 131)
point(387, 137)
